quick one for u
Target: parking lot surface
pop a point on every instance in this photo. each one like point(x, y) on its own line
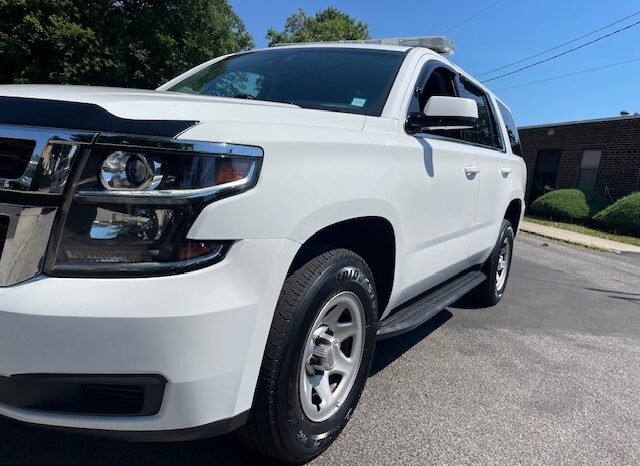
point(549, 376)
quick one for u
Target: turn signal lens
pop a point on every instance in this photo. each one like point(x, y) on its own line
point(232, 170)
point(194, 249)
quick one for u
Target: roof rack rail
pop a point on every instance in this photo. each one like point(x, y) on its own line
point(439, 44)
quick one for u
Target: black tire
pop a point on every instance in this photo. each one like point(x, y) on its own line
point(277, 426)
point(488, 293)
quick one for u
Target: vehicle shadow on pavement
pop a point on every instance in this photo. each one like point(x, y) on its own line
point(26, 445)
point(387, 351)
point(633, 298)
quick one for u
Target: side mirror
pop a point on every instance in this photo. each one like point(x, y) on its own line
point(442, 112)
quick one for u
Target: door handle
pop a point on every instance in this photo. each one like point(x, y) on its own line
point(505, 171)
point(471, 170)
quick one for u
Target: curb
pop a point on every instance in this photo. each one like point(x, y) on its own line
point(575, 243)
point(580, 239)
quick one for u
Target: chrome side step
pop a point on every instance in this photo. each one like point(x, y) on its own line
point(416, 312)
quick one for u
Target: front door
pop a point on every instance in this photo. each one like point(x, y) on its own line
point(446, 182)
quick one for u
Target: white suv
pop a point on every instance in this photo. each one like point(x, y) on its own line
point(225, 252)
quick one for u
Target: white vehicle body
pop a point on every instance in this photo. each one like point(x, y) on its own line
point(205, 331)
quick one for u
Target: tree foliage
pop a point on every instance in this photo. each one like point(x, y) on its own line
point(129, 43)
point(329, 24)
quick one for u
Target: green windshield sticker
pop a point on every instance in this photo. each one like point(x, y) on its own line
point(358, 102)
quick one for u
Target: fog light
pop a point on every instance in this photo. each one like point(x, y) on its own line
point(128, 171)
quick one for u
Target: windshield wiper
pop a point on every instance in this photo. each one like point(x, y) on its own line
point(279, 102)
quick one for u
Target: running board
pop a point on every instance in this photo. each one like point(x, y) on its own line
point(415, 313)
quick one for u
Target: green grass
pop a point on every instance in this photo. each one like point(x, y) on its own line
point(586, 230)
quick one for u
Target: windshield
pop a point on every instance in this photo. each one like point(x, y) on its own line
point(338, 79)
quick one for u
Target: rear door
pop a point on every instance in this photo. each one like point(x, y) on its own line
point(495, 170)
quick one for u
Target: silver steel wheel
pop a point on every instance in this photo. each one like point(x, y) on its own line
point(332, 356)
point(504, 260)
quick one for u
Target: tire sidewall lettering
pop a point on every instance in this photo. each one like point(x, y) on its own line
point(306, 434)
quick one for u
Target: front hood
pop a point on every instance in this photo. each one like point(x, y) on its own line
point(136, 104)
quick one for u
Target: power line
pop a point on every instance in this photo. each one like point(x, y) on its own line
point(471, 17)
point(568, 74)
point(561, 45)
point(563, 53)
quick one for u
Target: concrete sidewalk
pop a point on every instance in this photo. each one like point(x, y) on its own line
point(577, 238)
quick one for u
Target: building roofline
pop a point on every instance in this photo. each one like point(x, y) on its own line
point(579, 122)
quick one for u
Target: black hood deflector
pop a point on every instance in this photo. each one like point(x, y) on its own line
point(81, 116)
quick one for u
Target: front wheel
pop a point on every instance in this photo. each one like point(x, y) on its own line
point(497, 267)
point(317, 359)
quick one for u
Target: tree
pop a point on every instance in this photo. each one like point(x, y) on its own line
point(329, 24)
point(130, 43)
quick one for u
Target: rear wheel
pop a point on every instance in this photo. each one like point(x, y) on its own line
point(317, 359)
point(497, 268)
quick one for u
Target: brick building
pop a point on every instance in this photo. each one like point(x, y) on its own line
point(602, 155)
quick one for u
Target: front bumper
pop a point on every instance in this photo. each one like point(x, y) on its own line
point(204, 332)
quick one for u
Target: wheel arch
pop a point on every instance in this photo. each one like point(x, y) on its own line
point(514, 213)
point(371, 237)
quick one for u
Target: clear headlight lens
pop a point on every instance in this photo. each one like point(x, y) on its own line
point(122, 173)
point(126, 170)
point(132, 210)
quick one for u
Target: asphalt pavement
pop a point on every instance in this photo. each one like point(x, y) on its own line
point(549, 376)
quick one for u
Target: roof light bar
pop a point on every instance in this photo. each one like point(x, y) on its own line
point(439, 44)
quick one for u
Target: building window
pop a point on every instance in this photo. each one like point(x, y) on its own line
point(589, 169)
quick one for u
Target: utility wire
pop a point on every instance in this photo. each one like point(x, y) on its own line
point(471, 17)
point(561, 45)
point(567, 75)
point(563, 53)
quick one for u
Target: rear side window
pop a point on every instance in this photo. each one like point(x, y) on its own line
point(485, 132)
point(512, 129)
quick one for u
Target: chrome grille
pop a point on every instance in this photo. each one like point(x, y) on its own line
point(49, 161)
point(39, 162)
point(4, 227)
point(15, 155)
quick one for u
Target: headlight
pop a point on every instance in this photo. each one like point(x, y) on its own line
point(129, 171)
point(134, 205)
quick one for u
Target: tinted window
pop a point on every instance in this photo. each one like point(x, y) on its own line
point(512, 129)
point(439, 82)
point(485, 131)
point(343, 80)
point(234, 83)
point(589, 169)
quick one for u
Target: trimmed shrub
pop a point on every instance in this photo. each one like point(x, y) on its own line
point(622, 217)
point(569, 204)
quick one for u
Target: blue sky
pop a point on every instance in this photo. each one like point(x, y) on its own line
point(509, 31)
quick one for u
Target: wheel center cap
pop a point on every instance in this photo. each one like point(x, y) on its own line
point(326, 351)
